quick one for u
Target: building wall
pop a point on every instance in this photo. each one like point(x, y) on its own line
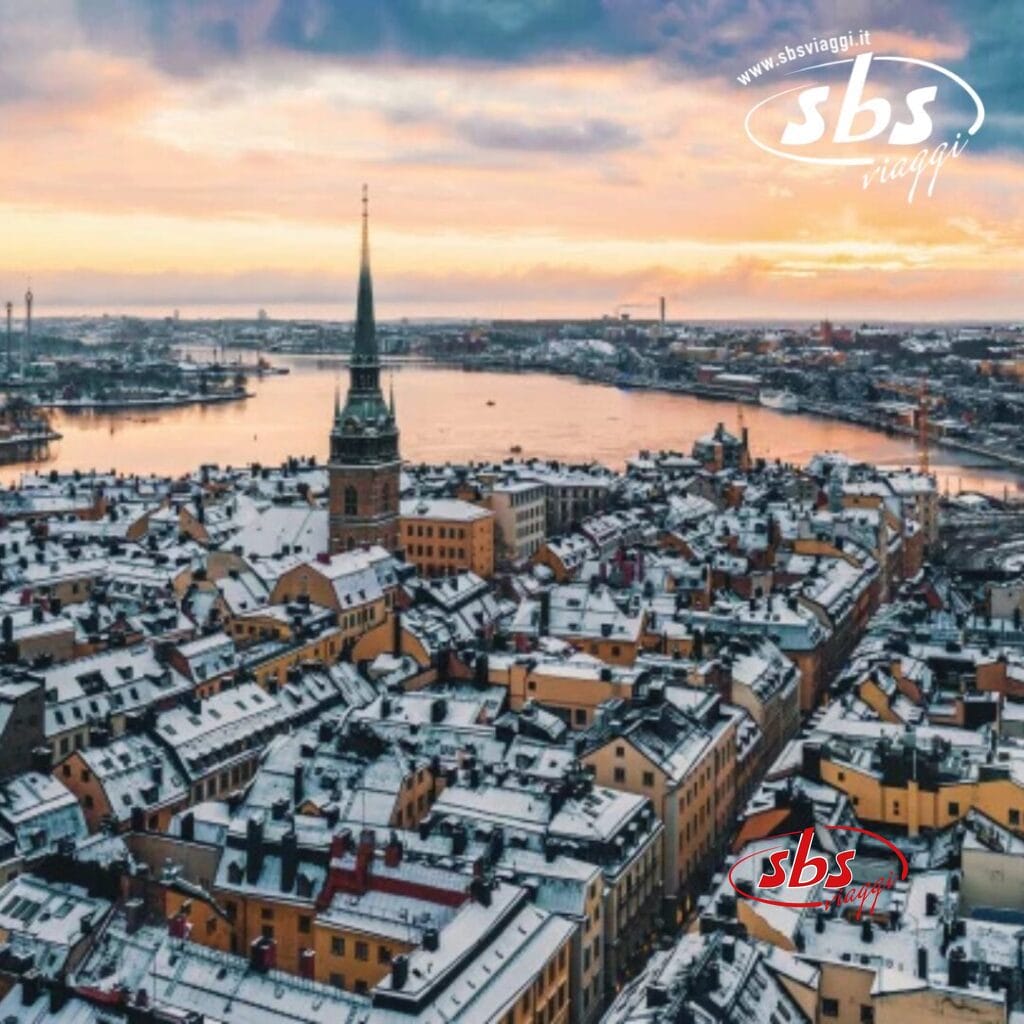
point(914, 808)
point(59, 646)
point(23, 732)
point(848, 988)
point(439, 546)
point(576, 698)
point(935, 1005)
point(696, 812)
point(632, 905)
point(376, 520)
point(545, 996)
point(991, 878)
point(520, 518)
point(353, 960)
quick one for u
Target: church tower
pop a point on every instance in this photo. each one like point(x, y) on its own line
point(364, 463)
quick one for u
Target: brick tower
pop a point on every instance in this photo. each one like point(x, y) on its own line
point(364, 462)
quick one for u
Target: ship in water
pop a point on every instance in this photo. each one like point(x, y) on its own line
point(783, 401)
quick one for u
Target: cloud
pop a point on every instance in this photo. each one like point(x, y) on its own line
point(745, 287)
point(184, 35)
point(594, 135)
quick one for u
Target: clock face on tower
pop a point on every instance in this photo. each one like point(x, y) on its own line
point(364, 463)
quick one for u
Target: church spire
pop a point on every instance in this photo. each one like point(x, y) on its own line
point(365, 333)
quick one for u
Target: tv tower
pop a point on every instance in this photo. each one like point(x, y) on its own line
point(26, 338)
point(10, 357)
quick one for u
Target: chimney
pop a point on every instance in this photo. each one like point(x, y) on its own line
point(393, 851)
point(263, 955)
point(58, 993)
point(480, 891)
point(811, 761)
point(289, 859)
point(657, 996)
point(297, 787)
point(545, 613)
point(341, 843)
point(958, 972)
point(364, 857)
point(30, 986)
point(253, 848)
point(460, 838)
point(42, 760)
point(399, 971)
point(431, 939)
point(134, 911)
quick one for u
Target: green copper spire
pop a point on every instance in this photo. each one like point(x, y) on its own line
point(364, 430)
point(365, 347)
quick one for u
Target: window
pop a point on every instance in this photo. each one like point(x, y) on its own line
point(581, 716)
point(268, 931)
point(305, 924)
point(648, 778)
point(620, 774)
point(954, 808)
point(337, 945)
point(362, 951)
point(351, 501)
point(383, 955)
point(867, 1014)
point(830, 1007)
point(362, 988)
point(620, 751)
point(337, 980)
point(1014, 817)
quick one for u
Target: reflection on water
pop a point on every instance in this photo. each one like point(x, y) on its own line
point(445, 414)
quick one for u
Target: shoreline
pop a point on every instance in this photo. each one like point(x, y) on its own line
point(710, 393)
point(115, 405)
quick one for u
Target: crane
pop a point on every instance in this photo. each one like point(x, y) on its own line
point(922, 414)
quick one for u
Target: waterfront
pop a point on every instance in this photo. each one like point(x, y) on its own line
point(444, 415)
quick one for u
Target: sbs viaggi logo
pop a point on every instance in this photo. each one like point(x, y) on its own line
point(897, 118)
point(793, 876)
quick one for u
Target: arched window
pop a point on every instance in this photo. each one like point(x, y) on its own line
point(351, 501)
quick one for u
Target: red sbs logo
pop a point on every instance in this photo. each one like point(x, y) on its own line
point(802, 869)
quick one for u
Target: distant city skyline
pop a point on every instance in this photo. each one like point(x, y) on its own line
point(525, 160)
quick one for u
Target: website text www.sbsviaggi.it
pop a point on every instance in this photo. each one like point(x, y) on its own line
point(869, 110)
point(829, 44)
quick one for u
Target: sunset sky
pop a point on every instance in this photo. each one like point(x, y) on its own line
point(525, 158)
